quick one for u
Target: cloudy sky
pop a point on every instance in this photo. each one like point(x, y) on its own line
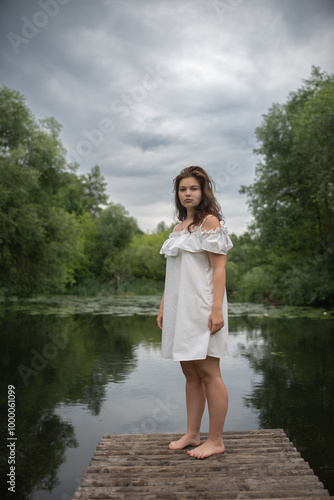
point(144, 88)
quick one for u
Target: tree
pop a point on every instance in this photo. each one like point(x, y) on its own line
point(115, 230)
point(144, 257)
point(94, 187)
point(38, 243)
point(292, 197)
point(16, 121)
point(84, 193)
point(38, 238)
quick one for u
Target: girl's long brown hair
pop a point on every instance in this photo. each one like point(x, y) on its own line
point(208, 204)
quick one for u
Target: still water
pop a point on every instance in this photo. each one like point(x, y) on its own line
point(85, 368)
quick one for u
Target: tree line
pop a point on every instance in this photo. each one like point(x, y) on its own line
point(292, 199)
point(59, 233)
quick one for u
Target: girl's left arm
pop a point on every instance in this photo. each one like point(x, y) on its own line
point(161, 312)
point(218, 264)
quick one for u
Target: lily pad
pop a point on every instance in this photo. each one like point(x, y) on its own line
point(147, 305)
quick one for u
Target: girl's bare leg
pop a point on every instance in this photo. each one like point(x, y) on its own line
point(195, 399)
point(217, 397)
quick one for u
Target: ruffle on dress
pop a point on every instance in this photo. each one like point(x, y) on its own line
point(215, 241)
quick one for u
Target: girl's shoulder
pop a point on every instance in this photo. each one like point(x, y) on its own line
point(178, 228)
point(210, 222)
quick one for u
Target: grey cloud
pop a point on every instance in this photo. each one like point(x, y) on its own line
point(149, 142)
point(215, 77)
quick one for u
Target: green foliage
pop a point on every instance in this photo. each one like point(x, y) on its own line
point(84, 193)
point(57, 229)
point(38, 242)
point(292, 197)
point(59, 233)
point(115, 230)
point(144, 257)
point(37, 237)
point(43, 227)
point(247, 275)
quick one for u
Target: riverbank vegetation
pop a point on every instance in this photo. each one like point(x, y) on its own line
point(59, 233)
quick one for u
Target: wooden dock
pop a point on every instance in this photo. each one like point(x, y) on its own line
point(256, 464)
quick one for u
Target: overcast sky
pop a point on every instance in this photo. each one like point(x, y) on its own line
point(144, 88)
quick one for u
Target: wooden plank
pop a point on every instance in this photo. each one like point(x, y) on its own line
point(257, 464)
point(169, 493)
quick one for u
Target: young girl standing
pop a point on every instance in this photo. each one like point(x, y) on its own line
point(193, 309)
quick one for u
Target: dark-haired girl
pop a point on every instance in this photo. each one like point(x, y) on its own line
point(193, 309)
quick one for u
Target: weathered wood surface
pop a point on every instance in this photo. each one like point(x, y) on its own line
point(256, 464)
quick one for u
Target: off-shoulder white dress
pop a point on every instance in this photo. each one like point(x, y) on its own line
point(188, 295)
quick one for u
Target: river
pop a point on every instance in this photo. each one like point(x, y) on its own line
point(82, 368)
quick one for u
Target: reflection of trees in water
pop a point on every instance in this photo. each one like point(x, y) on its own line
point(40, 453)
point(296, 393)
point(92, 351)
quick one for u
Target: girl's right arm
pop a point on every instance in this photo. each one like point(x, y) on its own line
point(160, 313)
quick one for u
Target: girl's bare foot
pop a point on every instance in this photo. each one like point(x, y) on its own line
point(207, 449)
point(186, 440)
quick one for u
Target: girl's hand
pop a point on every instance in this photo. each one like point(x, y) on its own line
point(161, 311)
point(159, 320)
point(216, 321)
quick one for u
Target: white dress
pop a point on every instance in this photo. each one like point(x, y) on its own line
point(188, 295)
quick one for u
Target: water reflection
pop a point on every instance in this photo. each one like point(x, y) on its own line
point(52, 359)
point(296, 392)
point(80, 376)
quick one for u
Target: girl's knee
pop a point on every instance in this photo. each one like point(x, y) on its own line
point(208, 372)
point(206, 378)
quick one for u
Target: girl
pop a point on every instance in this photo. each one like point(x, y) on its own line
point(193, 309)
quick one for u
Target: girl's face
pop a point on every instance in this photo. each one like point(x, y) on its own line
point(190, 193)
